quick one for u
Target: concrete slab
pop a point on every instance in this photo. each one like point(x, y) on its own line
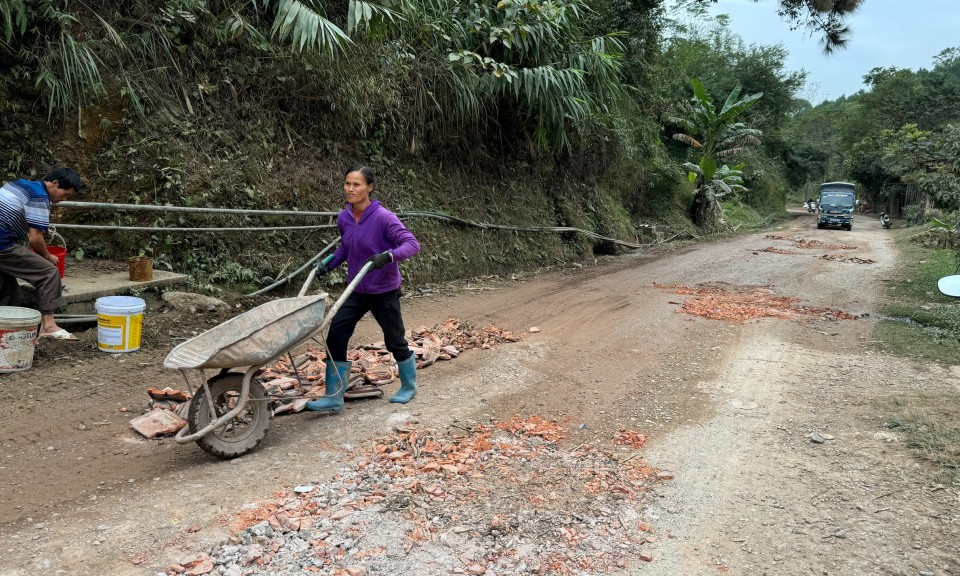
point(87, 286)
point(84, 289)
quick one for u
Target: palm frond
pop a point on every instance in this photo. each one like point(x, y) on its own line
point(702, 103)
point(730, 152)
point(723, 186)
point(236, 26)
point(731, 99)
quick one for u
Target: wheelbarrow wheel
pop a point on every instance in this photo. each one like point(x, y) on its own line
point(245, 431)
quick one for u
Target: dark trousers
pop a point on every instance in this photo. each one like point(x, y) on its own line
point(18, 262)
point(386, 311)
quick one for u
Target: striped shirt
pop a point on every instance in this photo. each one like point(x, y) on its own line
point(24, 204)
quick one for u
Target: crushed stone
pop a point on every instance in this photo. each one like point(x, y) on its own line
point(498, 498)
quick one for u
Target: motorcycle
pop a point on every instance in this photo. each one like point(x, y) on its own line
point(810, 206)
point(885, 220)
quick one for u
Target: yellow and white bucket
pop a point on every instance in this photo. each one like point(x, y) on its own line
point(119, 323)
point(18, 337)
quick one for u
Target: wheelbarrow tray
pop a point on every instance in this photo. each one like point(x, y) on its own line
point(253, 338)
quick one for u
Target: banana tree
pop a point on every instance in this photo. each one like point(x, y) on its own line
point(716, 135)
point(719, 181)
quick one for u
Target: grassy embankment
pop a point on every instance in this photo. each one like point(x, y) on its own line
point(923, 323)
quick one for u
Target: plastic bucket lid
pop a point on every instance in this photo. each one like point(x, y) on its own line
point(17, 317)
point(120, 305)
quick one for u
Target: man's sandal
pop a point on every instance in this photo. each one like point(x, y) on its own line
point(60, 334)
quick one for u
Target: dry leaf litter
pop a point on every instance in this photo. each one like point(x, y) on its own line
point(500, 498)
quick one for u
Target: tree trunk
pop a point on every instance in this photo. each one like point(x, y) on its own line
point(704, 212)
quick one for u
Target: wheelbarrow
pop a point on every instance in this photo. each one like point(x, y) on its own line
point(230, 412)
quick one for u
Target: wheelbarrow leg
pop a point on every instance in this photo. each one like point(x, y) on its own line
point(214, 421)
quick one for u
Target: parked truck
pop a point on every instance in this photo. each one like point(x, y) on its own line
point(835, 208)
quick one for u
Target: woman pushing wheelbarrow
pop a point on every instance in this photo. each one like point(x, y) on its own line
point(369, 233)
point(230, 412)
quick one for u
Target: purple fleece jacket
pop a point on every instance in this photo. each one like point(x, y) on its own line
point(379, 230)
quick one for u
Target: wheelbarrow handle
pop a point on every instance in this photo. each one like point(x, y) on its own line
point(343, 297)
point(312, 275)
point(328, 317)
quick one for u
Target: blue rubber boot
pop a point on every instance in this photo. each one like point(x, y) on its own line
point(408, 381)
point(336, 378)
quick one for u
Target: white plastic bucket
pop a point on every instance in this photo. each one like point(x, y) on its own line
point(119, 323)
point(18, 337)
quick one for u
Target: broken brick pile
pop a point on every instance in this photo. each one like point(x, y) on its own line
point(853, 259)
point(745, 303)
point(292, 384)
point(814, 244)
point(500, 498)
point(303, 379)
point(773, 250)
point(166, 415)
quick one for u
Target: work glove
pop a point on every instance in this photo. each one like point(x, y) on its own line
point(380, 260)
point(322, 269)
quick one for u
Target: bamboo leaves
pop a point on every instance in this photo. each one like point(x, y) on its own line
point(365, 15)
point(535, 54)
point(69, 73)
point(461, 61)
point(306, 28)
point(13, 15)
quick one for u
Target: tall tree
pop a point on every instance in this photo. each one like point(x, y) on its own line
point(825, 17)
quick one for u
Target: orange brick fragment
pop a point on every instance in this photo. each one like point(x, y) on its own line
point(158, 422)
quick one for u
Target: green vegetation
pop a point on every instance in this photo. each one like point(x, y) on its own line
point(741, 217)
point(930, 425)
point(898, 140)
point(705, 49)
point(923, 323)
point(515, 112)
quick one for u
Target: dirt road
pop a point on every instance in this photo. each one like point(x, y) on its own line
point(768, 434)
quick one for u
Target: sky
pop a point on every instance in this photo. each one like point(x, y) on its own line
point(885, 33)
